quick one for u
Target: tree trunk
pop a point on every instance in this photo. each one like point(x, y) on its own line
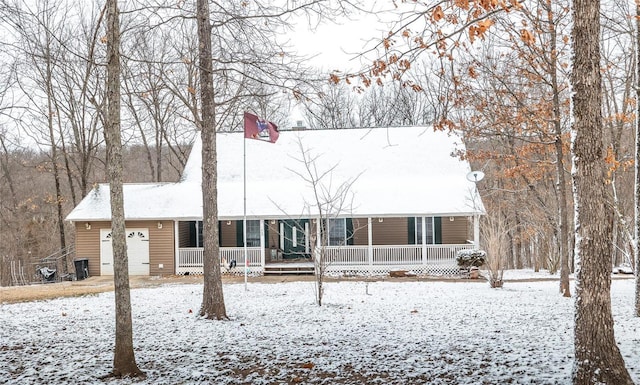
point(561, 183)
point(212, 297)
point(4, 164)
point(48, 55)
point(561, 189)
point(636, 226)
point(518, 249)
point(67, 167)
point(124, 362)
point(597, 357)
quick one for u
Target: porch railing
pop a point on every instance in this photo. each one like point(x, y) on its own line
point(436, 259)
point(190, 260)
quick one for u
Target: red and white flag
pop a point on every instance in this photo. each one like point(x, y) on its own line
point(256, 128)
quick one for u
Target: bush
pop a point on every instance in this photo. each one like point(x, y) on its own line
point(471, 257)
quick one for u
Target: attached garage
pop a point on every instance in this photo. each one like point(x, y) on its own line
point(137, 251)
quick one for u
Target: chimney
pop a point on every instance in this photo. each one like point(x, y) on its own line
point(299, 126)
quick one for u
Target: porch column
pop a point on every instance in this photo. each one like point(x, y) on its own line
point(176, 245)
point(476, 231)
point(370, 241)
point(424, 240)
point(262, 256)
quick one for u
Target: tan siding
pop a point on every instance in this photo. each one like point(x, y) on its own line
point(360, 232)
point(456, 231)
point(161, 245)
point(88, 244)
point(273, 239)
point(391, 231)
point(228, 234)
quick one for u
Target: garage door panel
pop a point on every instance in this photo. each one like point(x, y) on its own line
point(137, 251)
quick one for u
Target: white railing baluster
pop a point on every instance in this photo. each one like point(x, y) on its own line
point(439, 259)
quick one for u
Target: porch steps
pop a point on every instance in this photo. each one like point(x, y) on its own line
point(288, 270)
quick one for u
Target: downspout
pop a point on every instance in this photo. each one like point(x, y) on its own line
point(476, 231)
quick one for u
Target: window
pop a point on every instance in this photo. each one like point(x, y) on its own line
point(337, 232)
point(430, 233)
point(195, 235)
point(253, 233)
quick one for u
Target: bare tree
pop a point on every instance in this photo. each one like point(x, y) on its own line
point(212, 296)
point(154, 108)
point(494, 233)
point(41, 38)
point(124, 362)
point(330, 201)
point(636, 226)
point(393, 105)
point(618, 116)
point(335, 108)
point(597, 357)
point(81, 98)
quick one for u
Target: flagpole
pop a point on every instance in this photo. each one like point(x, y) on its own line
point(253, 126)
point(244, 214)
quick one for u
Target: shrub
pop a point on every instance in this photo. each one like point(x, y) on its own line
point(471, 257)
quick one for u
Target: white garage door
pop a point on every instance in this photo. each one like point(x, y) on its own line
point(137, 251)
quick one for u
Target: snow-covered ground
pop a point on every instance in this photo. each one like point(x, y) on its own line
point(386, 332)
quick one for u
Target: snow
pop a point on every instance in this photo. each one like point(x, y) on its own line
point(391, 332)
point(396, 171)
point(143, 201)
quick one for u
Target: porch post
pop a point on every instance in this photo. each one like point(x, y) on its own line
point(424, 240)
point(476, 231)
point(370, 242)
point(262, 243)
point(176, 246)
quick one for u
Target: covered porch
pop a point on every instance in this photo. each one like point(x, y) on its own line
point(433, 260)
point(424, 245)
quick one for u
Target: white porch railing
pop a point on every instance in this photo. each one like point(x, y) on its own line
point(436, 259)
point(347, 255)
point(190, 260)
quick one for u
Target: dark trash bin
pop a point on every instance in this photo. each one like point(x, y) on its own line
point(82, 268)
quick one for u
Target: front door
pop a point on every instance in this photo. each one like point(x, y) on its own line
point(294, 239)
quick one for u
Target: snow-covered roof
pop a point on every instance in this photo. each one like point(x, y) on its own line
point(398, 171)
